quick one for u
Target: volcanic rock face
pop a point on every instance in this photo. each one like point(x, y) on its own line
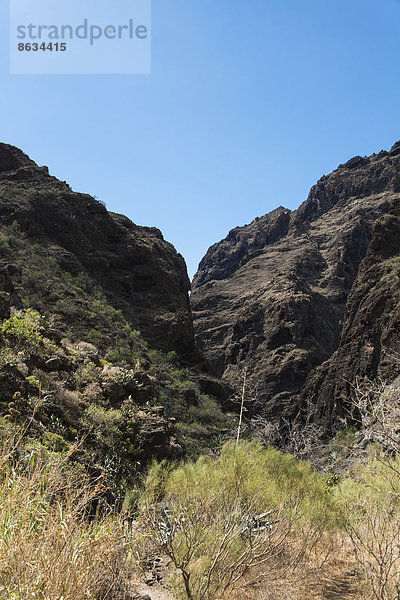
point(272, 295)
point(370, 341)
point(140, 272)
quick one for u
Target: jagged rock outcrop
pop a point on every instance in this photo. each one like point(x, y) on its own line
point(241, 245)
point(272, 295)
point(139, 271)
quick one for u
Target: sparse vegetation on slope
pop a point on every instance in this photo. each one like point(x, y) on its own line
point(92, 377)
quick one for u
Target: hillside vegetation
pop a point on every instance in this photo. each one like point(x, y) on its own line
point(80, 373)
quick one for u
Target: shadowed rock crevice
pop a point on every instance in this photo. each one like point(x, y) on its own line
point(370, 342)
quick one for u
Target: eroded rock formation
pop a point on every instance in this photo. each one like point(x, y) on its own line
point(272, 295)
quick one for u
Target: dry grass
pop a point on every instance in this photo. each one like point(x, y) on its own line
point(52, 546)
point(60, 541)
point(328, 571)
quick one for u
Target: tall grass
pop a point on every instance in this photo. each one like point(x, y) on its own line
point(237, 526)
point(53, 543)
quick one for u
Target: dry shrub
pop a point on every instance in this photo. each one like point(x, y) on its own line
point(370, 501)
point(370, 495)
point(376, 406)
point(53, 541)
point(327, 570)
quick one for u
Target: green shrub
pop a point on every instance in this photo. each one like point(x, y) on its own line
point(217, 518)
point(22, 330)
point(55, 442)
point(32, 380)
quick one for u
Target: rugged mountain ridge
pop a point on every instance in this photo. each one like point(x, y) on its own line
point(304, 301)
point(139, 271)
point(97, 349)
point(276, 303)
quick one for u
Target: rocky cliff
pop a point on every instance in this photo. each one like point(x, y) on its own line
point(139, 272)
point(370, 342)
point(272, 296)
point(96, 333)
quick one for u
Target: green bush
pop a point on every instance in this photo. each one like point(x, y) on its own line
point(55, 442)
point(22, 330)
point(205, 515)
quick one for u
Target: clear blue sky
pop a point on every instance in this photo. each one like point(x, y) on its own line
point(248, 104)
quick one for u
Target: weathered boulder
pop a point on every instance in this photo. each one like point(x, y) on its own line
point(4, 305)
point(154, 435)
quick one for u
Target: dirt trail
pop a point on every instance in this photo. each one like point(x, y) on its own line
point(341, 588)
point(155, 592)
